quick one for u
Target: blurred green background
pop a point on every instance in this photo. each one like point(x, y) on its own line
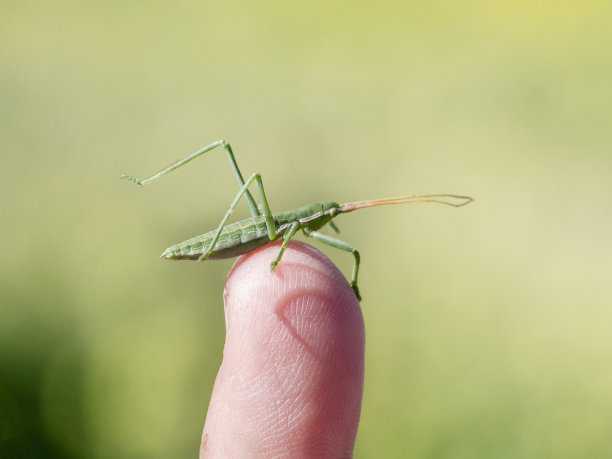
point(489, 328)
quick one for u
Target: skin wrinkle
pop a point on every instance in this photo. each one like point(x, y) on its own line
point(299, 331)
point(293, 394)
point(288, 350)
point(256, 381)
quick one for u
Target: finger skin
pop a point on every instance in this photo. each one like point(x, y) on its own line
point(291, 380)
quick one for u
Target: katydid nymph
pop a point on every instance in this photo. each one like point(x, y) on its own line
point(231, 240)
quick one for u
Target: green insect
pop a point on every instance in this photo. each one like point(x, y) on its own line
point(231, 240)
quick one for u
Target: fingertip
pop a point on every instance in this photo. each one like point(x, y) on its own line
point(292, 372)
point(303, 270)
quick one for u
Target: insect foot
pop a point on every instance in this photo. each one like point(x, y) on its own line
point(356, 290)
point(131, 179)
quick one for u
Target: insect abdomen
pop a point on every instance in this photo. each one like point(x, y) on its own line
point(235, 239)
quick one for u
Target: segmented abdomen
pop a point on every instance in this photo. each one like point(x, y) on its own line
point(235, 239)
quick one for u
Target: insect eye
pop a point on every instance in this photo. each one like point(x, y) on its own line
point(334, 211)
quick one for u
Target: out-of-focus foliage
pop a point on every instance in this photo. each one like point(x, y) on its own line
point(488, 327)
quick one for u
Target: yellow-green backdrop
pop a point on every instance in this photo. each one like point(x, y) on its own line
point(489, 328)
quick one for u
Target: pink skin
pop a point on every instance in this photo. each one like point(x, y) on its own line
point(291, 380)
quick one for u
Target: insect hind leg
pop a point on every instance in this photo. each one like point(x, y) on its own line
point(272, 234)
point(230, 156)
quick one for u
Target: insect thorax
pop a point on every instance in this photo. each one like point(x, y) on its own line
point(314, 215)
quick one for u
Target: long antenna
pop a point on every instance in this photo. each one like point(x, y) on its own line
point(448, 199)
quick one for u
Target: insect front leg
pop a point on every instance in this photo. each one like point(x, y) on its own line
point(286, 238)
point(338, 244)
point(272, 234)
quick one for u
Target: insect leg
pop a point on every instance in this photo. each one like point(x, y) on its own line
point(272, 234)
point(334, 227)
point(230, 156)
point(286, 238)
point(338, 244)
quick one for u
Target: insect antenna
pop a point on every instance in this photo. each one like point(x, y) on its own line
point(448, 199)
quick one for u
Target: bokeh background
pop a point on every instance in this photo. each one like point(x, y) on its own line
point(489, 328)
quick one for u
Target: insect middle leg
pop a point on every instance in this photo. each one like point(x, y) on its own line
point(286, 238)
point(272, 234)
point(338, 244)
point(230, 156)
